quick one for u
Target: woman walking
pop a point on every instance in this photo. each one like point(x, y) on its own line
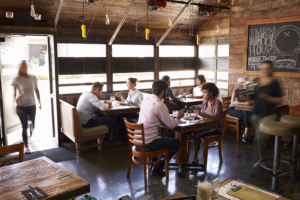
point(26, 85)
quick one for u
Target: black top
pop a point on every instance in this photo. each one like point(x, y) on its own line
point(262, 107)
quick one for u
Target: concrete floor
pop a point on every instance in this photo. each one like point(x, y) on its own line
point(106, 171)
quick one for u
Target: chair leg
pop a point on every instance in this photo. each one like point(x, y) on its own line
point(100, 143)
point(205, 152)
point(220, 150)
point(145, 174)
point(78, 149)
point(188, 147)
point(237, 131)
point(148, 160)
point(129, 162)
point(224, 127)
point(111, 136)
point(167, 164)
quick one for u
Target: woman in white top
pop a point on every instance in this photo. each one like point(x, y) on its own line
point(240, 98)
point(197, 91)
point(26, 85)
point(135, 97)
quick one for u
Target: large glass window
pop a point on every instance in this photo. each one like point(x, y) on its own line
point(223, 50)
point(178, 74)
point(207, 74)
point(140, 76)
point(77, 89)
point(81, 50)
point(119, 50)
point(140, 85)
point(176, 51)
point(207, 51)
point(81, 78)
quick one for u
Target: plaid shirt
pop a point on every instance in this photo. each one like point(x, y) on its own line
point(216, 110)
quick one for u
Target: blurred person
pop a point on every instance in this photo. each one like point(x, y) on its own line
point(170, 94)
point(135, 97)
point(268, 95)
point(153, 113)
point(26, 85)
point(197, 92)
point(88, 103)
point(211, 108)
point(240, 98)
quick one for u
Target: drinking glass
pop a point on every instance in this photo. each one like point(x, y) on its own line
point(191, 118)
point(112, 98)
point(175, 113)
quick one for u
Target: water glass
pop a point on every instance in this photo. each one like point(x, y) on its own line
point(112, 98)
point(191, 118)
point(175, 113)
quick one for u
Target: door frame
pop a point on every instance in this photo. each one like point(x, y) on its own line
point(43, 31)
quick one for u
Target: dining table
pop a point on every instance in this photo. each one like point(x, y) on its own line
point(121, 109)
point(42, 172)
point(279, 108)
point(188, 102)
point(181, 133)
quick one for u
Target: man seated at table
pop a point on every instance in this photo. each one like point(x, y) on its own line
point(87, 105)
point(153, 113)
point(170, 94)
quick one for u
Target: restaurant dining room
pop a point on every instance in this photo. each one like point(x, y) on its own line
point(149, 99)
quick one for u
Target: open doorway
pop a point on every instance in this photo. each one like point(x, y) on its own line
point(34, 50)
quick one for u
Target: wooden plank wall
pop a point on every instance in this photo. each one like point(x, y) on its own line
point(241, 12)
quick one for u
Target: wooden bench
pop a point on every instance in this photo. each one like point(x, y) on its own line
point(72, 128)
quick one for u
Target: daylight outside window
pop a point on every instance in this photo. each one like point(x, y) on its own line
point(81, 50)
point(119, 50)
point(176, 51)
point(207, 51)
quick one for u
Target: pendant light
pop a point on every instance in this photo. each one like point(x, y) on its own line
point(170, 19)
point(232, 2)
point(32, 12)
point(218, 29)
point(198, 36)
point(147, 30)
point(83, 27)
point(107, 22)
point(251, 2)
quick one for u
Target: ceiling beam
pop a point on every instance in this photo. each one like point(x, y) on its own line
point(121, 23)
point(196, 4)
point(58, 12)
point(173, 24)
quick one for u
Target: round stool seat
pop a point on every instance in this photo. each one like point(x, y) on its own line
point(278, 128)
point(291, 119)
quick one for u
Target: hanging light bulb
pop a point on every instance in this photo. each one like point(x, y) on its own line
point(232, 2)
point(219, 1)
point(251, 2)
point(107, 22)
point(170, 21)
point(83, 28)
point(198, 39)
point(32, 12)
point(147, 32)
point(218, 29)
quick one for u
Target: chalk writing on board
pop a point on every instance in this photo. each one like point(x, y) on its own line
point(279, 43)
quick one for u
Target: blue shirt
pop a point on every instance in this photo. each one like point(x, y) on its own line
point(169, 91)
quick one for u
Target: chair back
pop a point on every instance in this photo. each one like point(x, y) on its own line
point(11, 149)
point(226, 101)
point(133, 135)
point(167, 103)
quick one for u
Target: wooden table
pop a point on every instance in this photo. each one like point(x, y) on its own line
point(279, 108)
point(179, 194)
point(181, 134)
point(53, 179)
point(187, 102)
point(120, 110)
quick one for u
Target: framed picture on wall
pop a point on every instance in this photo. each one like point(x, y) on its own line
point(276, 40)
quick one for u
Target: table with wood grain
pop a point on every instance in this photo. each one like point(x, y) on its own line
point(41, 172)
point(120, 110)
point(181, 132)
point(279, 108)
point(187, 102)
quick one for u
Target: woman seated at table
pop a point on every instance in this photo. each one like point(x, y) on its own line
point(135, 97)
point(197, 92)
point(211, 108)
point(239, 97)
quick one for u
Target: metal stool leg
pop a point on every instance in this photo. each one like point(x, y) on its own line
point(293, 174)
point(276, 163)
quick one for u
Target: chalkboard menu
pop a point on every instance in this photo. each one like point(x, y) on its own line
point(277, 42)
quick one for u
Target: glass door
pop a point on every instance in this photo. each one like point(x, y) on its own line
point(53, 82)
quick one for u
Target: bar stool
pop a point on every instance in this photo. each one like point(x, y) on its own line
point(278, 129)
point(294, 159)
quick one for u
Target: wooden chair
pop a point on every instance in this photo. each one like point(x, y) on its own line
point(205, 143)
point(164, 131)
point(133, 138)
point(229, 120)
point(72, 128)
point(11, 149)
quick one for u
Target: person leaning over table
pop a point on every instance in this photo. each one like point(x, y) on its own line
point(153, 113)
point(170, 94)
point(211, 108)
point(197, 92)
point(268, 95)
point(88, 103)
point(240, 98)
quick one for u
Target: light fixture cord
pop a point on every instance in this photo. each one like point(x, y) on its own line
point(147, 12)
point(198, 23)
point(136, 18)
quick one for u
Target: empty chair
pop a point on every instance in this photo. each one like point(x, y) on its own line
point(11, 149)
point(133, 137)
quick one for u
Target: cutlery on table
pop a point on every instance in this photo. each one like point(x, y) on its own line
point(32, 196)
point(35, 191)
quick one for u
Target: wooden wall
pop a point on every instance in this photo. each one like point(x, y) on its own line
point(241, 12)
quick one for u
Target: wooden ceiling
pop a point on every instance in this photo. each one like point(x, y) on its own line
point(68, 21)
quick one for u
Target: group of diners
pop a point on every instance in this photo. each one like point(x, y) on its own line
point(153, 112)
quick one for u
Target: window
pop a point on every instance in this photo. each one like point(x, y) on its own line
point(185, 82)
point(77, 89)
point(81, 50)
point(207, 51)
point(212, 65)
point(132, 50)
point(146, 79)
point(140, 85)
point(177, 74)
point(176, 51)
point(81, 78)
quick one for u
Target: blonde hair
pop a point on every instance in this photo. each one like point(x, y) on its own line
point(22, 64)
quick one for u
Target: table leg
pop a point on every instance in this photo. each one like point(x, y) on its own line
point(181, 155)
point(294, 160)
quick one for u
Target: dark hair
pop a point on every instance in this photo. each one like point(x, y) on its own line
point(159, 86)
point(166, 78)
point(201, 78)
point(211, 87)
point(133, 80)
point(97, 85)
point(268, 62)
